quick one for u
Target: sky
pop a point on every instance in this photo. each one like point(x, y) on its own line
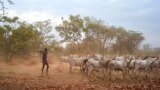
point(137, 15)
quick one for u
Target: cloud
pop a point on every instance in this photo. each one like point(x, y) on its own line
point(34, 16)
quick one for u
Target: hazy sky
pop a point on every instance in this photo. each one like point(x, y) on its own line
point(137, 15)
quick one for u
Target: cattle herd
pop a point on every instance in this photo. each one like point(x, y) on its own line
point(129, 65)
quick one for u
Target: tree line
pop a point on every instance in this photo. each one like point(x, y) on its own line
point(21, 38)
point(85, 35)
point(89, 35)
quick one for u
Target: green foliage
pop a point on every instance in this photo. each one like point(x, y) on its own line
point(6, 19)
point(86, 35)
point(127, 42)
point(23, 39)
point(94, 28)
point(8, 26)
point(90, 32)
point(70, 30)
point(17, 37)
point(44, 29)
point(2, 39)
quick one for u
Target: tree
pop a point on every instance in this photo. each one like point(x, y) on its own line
point(16, 37)
point(3, 8)
point(96, 30)
point(93, 33)
point(44, 29)
point(24, 39)
point(127, 42)
point(146, 50)
point(8, 25)
point(90, 34)
point(71, 30)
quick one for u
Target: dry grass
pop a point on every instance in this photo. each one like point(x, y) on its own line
point(58, 71)
point(29, 72)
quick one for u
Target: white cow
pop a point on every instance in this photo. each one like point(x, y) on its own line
point(144, 65)
point(76, 61)
point(92, 64)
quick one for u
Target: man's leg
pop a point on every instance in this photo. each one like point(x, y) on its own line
point(47, 68)
point(43, 67)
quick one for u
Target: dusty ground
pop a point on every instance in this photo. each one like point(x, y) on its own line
point(27, 76)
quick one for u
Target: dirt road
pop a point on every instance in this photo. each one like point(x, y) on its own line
point(28, 77)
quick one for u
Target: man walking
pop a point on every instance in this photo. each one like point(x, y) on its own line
point(44, 60)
